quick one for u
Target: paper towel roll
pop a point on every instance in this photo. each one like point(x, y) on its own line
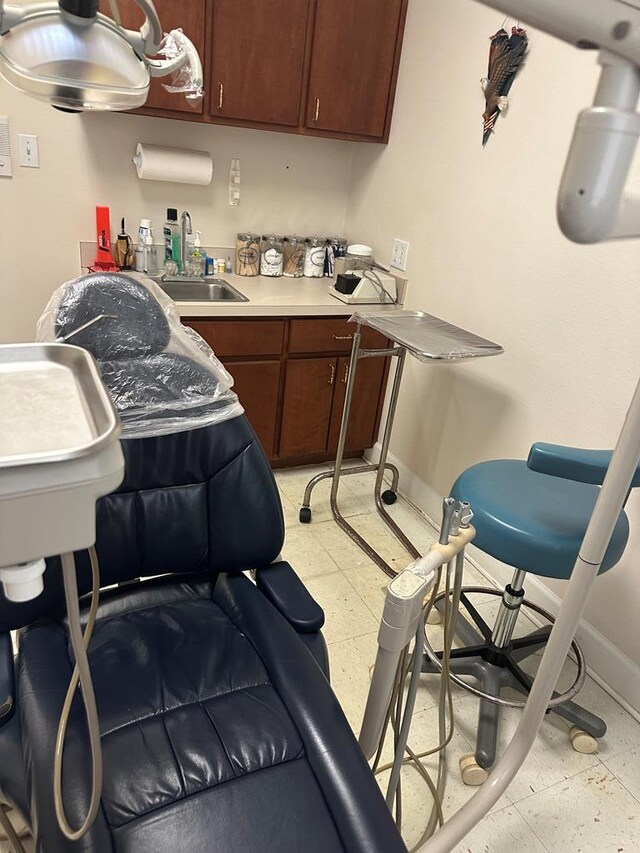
point(155, 163)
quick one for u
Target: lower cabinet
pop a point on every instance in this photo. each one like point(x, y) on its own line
point(257, 384)
point(364, 419)
point(307, 405)
point(291, 375)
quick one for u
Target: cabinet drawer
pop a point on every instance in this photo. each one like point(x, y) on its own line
point(331, 334)
point(241, 337)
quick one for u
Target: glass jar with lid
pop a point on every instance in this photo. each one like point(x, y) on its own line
point(271, 256)
point(247, 254)
point(314, 257)
point(294, 254)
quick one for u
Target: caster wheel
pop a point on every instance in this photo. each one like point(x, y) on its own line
point(389, 497)
point(305, 515)
point(471, 772)
point(434, 617)
point(582, 741)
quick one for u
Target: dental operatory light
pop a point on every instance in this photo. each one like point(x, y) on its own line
point(68, 54)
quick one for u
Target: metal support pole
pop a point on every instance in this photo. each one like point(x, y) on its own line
point(512, 598)
point(380, 467)
point(342, 439)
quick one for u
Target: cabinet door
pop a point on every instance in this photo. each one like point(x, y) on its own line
point(364, 403)
point(257, 384)
point(308, 395)
point(189, 15)
point(352, 65)
point(258, 51)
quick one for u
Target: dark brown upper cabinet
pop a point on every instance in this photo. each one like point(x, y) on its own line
point(353, 62)
point(190, 16)
point(257, 60)
point(312, 67)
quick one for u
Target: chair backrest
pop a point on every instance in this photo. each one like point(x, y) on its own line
point(194, 501)
point(198, 493)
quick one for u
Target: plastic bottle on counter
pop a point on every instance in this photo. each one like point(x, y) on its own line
point(150, 256)
point(271, 256)
point(314, 257)
point(140, 254)
point(197, 258)
point(228, 267)
point(172, 238)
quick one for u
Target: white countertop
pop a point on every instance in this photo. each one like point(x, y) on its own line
point(277, 297)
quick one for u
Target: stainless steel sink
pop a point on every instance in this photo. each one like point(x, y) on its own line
point(201, 290)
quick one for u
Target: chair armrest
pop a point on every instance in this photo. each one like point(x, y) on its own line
point(284, 589)
point(7, 680)
point(573, 463)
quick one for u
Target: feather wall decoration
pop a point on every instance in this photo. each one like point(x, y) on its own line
point(506, 57)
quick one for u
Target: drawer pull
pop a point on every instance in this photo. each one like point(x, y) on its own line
point(343, 337)
point(332, 373)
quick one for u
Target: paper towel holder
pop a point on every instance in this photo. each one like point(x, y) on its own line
point(196, 166)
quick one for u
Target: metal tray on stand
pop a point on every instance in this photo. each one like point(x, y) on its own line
point(430, 340)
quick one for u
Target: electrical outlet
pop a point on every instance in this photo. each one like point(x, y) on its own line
point(28, 150)
point(400, 254)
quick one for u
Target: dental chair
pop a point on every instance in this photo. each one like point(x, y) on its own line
point(219, 729)
point(532, 516)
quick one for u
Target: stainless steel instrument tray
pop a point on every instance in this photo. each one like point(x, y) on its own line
point(53, 405)
point(427, 337)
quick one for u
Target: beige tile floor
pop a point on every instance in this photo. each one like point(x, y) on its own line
point(561, 801)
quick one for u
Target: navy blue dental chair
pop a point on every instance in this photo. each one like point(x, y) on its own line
point(219, 729)
point(532, 516)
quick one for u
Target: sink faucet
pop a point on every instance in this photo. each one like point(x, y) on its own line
point(186, 228)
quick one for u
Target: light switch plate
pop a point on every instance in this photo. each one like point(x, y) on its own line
point(6, 167)
point(28, 150)
point(400, 254)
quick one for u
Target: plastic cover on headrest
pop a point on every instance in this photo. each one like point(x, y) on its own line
point(162, 376)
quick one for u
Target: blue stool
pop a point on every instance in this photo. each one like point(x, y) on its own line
point(533, 516)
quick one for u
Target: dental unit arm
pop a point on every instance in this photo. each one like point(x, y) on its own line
point(592, 206)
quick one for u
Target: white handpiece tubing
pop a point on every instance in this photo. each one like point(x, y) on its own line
point(613, 494)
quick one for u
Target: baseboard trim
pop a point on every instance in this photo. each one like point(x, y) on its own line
point(611, 669)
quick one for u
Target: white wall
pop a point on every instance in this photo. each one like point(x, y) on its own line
point(289, 184)
point(486, 254)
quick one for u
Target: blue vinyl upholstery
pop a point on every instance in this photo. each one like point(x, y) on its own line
point(219, 728)
point(533, 521)
point(573, 463)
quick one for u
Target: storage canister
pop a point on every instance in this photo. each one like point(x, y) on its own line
point(247, 254)
point(294, 252)
point(314, 257)
point(271, 256)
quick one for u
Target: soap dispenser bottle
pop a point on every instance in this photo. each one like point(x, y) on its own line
point(199, 256)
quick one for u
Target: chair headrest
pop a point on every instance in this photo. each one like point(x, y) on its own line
point(134, 323)
point(162, 376)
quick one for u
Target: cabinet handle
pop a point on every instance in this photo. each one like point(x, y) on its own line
point(332, 373)
point(343, 337)
point(346, 374)
point(220, 95)
point(317, 108)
